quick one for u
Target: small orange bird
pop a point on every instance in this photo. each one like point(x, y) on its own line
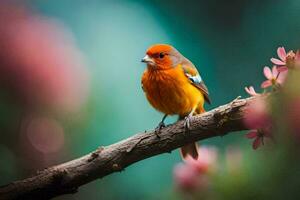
point(173, 86)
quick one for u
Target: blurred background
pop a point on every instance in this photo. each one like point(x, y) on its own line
point(70, 78)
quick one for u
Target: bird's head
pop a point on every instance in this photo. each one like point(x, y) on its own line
point(162, 56)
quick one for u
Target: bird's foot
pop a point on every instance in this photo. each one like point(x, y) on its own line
point(158, 128)
point(187, 122)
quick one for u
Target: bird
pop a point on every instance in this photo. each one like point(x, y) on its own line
point(173, 86)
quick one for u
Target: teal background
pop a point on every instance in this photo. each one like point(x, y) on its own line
point(229, 42)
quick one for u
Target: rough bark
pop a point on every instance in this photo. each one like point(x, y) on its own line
point(67, 177)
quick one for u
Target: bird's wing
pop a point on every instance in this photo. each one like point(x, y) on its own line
point(193, 75)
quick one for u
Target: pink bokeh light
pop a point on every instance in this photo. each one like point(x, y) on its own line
point(46, 135)
point(40, 64)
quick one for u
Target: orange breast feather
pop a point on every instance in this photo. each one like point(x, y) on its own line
point(170, 91)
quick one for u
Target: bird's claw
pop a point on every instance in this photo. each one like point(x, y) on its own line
point(158, 128)
point(187, 122)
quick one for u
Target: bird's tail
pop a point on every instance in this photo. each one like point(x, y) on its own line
point(192, 148)
point(189, 150)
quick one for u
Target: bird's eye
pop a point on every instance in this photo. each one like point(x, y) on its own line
point(161, 55)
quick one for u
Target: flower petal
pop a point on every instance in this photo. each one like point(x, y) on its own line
point(266, 84)
point(252, 134)
point(277, 62)
point(282, 69)
point(267, 72)
point(274, 71)
point(250, 90)
point(281, 53)
point(281, 78)
point(185, 176)
point(256, 143)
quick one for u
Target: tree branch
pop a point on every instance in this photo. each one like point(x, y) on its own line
point(67, 177)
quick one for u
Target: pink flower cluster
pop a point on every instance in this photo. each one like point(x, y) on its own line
point(192, 174)
point(274, 77)
point(290, 60)
point(258, 119)
point(257, 116)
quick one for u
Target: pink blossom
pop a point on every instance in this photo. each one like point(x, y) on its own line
point(250, 90)
point(286, 61)
point(293, 60)
point(256, 115)
point(281, 62)
point(282, 57)
point(186, 177)
point(193, 174)
point(206, 160)
point(273, 77)
point(258, 136)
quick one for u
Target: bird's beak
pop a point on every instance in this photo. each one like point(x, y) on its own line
point(147, 60)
